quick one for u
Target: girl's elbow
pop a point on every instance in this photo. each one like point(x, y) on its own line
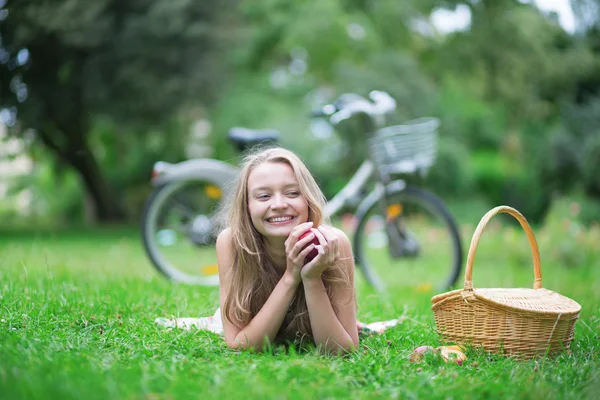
point(236, 344)
point(239, 345)
point(339, 349)
point(352, 346)
point(233, 345)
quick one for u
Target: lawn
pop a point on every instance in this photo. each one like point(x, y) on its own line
point(77, 311)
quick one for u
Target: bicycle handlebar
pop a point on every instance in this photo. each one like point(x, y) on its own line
point(350, 104)
point(383, 101)
point(324, 111)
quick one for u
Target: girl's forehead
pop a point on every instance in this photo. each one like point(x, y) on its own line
point(270, 174)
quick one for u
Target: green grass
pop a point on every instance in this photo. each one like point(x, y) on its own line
point(77, 311)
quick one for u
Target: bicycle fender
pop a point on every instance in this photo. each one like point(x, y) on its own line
point(216, 170)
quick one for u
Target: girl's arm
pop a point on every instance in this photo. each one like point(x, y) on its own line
point(263, 328)
point(334, 332)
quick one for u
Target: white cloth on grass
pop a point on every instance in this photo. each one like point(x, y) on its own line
point(212, 324)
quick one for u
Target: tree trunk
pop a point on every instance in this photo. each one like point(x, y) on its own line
point(78, 155)
point(65, 133)
point(106, 207)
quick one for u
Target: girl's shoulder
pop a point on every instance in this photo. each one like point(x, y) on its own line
point(341, 235)
point(225, 235)
point(224, 244)
point(225, 238)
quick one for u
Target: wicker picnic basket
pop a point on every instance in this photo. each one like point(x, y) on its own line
point(521, 323)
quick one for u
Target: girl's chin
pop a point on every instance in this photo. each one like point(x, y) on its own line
point(279, 231)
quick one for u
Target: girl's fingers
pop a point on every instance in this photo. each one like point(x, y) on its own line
point(297, 231)
point(302, 255)
point(332, 241)
point(320, 236)
point(305, 240)
point(301, 228)
point(300, 244)
point(318, 258)
point(329, 234)
point(328, 247)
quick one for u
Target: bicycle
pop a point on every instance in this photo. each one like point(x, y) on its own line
point(179, 227)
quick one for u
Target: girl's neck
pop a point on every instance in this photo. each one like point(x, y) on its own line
point(277, 251)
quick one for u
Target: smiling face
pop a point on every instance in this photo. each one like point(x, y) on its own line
point(275, 201)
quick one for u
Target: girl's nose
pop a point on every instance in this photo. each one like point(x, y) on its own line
point(278, 203)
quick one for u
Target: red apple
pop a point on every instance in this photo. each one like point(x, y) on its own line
point(313, 253)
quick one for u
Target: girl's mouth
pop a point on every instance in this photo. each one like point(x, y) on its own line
point(280, 220)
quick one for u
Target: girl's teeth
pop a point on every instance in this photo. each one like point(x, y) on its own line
point(281, 219)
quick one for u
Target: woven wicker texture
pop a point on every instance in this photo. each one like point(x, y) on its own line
point(522, 323)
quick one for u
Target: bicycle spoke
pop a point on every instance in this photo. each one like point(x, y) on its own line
point(181, 238)
point(187, 211)
point(411, 242)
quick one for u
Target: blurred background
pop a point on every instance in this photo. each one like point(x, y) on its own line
point(93, 93)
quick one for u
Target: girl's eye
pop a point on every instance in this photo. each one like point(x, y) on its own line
point(294, 193)
point(262, 196)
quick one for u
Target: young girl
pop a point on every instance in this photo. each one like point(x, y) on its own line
point(268, 294)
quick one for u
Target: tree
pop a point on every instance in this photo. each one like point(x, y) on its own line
point(65, 62)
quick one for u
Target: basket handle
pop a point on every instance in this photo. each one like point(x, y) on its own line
point(537, 283)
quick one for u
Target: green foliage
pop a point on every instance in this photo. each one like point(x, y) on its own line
point(452, 173)
point(136, 64)
point(528, 195)
point(505, 182)
point(54, 192)
point(130, 78)
point(509, 54)
point(114, 59)
point(489, 170)
point(572, 153)
point(560, 167)
point(572, 231)
point(127, 156)
point(477, 124)
point(590, 165)
point(589, 214)
point(250, 101)
point(396, 73)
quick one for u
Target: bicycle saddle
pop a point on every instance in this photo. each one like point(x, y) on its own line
point(244, 138)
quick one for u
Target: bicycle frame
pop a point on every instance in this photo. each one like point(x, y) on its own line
point(352, 188)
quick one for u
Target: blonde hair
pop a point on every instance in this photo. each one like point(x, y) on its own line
point(254, 274)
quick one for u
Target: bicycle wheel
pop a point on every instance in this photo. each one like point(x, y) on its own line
point(179, 228)
point(410, 239)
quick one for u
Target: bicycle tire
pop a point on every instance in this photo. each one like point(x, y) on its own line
point(185, 253)
point(412, 200)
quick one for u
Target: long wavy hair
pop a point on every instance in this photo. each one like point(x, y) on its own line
point(254, 274)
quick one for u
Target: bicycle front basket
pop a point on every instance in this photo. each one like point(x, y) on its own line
point(405, 148)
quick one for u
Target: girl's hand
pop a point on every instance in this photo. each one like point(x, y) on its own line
point(295, 251)
point(329, 253)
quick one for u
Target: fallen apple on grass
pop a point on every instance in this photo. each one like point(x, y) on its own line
point(447, 353)
point(418, 353)
point(452, 354)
